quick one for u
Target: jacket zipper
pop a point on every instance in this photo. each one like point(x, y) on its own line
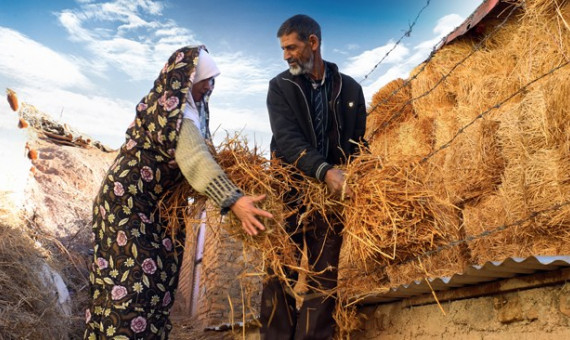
point(334, 114)
point(313, 135)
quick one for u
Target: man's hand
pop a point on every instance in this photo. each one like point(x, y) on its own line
point(244, 208)
point(336, 182)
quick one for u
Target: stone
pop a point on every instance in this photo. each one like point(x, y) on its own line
point(565, 303)
point(508, 308)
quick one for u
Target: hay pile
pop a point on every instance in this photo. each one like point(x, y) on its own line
point(277, 180)
point(256, 176)
point(497, 148)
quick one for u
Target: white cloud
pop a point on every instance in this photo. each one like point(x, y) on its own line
point(130, 36)
point(72, 22)
point(27, 61)
point(399, 62)
point(252, 123)
point(347, 48)
point(446, 24)
point(362, 64)
point(241, 75)
point(394, 72)
point(235, 118)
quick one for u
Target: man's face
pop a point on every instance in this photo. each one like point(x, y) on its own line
point(297, 53)
point(201, 88)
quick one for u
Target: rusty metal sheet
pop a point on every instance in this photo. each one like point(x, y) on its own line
point(481, 12)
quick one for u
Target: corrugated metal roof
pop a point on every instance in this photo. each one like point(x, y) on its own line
point(474, 275)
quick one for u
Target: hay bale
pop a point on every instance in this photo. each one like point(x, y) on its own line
point(435, 96)
point(542, 38)
point(473, 164)
point(482, 216)
point(391, 105)
point(537, 183)
point(489, 215)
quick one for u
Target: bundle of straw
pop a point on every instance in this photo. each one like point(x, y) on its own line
point(394, 216)
point(255, 175)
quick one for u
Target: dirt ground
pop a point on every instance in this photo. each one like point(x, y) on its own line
point(185, 329)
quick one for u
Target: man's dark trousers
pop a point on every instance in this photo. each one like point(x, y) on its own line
point(315, 321)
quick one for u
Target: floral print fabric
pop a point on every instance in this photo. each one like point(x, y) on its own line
point(135, 268)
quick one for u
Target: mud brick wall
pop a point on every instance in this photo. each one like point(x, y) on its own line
point(224, 268)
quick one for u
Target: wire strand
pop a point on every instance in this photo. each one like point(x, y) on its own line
point(406, 34)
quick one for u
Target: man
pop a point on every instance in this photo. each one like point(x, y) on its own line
point(318, 117)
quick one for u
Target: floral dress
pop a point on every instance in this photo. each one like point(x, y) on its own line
point(135, 268)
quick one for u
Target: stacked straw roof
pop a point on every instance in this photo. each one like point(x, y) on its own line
point(492, 146)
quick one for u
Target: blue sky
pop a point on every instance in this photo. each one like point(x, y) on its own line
point(88, 62)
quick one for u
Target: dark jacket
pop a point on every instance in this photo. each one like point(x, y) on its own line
point(294, 138)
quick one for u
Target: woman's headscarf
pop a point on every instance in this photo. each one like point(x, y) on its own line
point(198, 112)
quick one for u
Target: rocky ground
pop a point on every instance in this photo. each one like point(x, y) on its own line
point(50, 175)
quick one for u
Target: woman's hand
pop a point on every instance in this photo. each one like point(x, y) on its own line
point(244, 208)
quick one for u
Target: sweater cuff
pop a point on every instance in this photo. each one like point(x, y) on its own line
point(223, 192)
point(227, 204)
point(322, 170)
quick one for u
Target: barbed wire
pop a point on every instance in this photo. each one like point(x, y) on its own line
point(476, 48)
point(406, 34)
point(494, 107)
point(489, 232)
point(499, 228)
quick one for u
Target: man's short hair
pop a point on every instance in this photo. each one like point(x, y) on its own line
point(301, 24)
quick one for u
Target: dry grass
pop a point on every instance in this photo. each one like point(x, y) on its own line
point(394, 131)
point(28, 304)
point(394, 216)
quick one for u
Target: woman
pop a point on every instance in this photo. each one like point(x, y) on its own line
point(135, 270)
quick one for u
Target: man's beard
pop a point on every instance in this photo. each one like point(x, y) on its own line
point(302, 67)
